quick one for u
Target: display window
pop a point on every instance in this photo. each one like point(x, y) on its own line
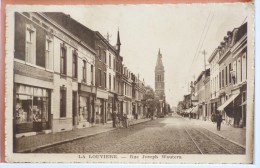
point(31, 104)
point(83, 109)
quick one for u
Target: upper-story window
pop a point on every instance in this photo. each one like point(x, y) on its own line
point(100, 78)
point(92, 75)
point(109, 81)
point(99, 52)
point(30, 46)
point(74, 64)
point(63, 59)
point(48, 53)
point(84, 71)
point(104, 56)
point(109, 60)
point(230, 69)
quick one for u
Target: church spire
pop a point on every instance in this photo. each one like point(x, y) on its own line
point(159, 64)
point(118, 43)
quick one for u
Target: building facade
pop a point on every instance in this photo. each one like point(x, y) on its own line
point(214, 81)
point(233, 75)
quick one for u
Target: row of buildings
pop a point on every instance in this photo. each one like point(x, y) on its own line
point(68, 76)
point(223, 86)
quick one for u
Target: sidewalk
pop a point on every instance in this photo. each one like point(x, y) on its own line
point(31, 143)
point(236, 135)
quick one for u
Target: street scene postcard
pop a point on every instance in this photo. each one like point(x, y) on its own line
point(146, 83)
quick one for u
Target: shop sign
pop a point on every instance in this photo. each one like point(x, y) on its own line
point(33, 72)
point(65, 38)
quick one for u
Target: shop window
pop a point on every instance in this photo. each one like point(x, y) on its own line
point(63, 59)
point(30, 46)
point(83, 108)
point(62, 102)
point(48, 53)
point(31, 104)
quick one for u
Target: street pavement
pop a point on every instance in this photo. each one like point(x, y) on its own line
point(172, 135)
point(32, 143)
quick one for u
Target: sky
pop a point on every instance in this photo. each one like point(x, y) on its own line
point(178, 30)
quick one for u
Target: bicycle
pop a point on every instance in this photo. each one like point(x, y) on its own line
point(130, 123)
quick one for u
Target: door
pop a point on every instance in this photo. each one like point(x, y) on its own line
point(74, 107)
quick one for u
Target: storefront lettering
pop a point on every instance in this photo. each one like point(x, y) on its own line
point(65, 38)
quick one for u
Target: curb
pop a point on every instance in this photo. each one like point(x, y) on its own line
point(65, 141)
point(59, 142)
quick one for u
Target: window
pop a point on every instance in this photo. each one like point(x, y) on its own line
point(105, 80)
point(63, 59)
point(226, 75)
point(30, 46)
point(48, 53)
point(219, 80)
point(99, 52)
point(74, 64)
point(223, 78)
point(105, 56)
point(32, 104)
point(100, 77)
point(92, 74)
point(109, 60)
point(109, 81)
point(84, 71)
point(235, 71)
point(230, 69)
point(114, 83)
point(62, 101)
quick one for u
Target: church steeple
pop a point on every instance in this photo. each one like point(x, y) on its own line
point(159, 77)
point(159, 64)
point(118, 43)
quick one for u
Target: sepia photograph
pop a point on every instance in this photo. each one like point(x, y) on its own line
point(130, 83)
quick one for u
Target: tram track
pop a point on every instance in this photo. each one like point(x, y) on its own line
point(206, 144)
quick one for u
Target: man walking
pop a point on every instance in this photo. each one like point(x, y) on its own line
point(114, 118)
point(219, 120)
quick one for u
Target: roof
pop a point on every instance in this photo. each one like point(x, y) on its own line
point(77, 29)
point(213, 55)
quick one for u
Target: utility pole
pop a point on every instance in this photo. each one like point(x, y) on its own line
point(204, 54)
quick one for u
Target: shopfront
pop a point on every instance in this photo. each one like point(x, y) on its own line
point(86, 106)
point(110, 107)
point(32, 109)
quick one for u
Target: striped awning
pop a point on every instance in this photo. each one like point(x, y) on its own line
point(226, 103)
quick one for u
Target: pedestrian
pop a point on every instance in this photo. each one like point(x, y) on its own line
point(125, 120)
point(190, 115)
point(114, 118)
point(218, 120)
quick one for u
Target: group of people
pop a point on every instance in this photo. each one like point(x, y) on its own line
point(119, 118)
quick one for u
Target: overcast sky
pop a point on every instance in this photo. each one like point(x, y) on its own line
point(175, 29)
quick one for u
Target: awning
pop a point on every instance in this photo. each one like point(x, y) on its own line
point(244, 103)
point(220, 108)
point(189, 110)
point(195, 109)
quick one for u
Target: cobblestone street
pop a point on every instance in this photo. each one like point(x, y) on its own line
point(172, 135)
